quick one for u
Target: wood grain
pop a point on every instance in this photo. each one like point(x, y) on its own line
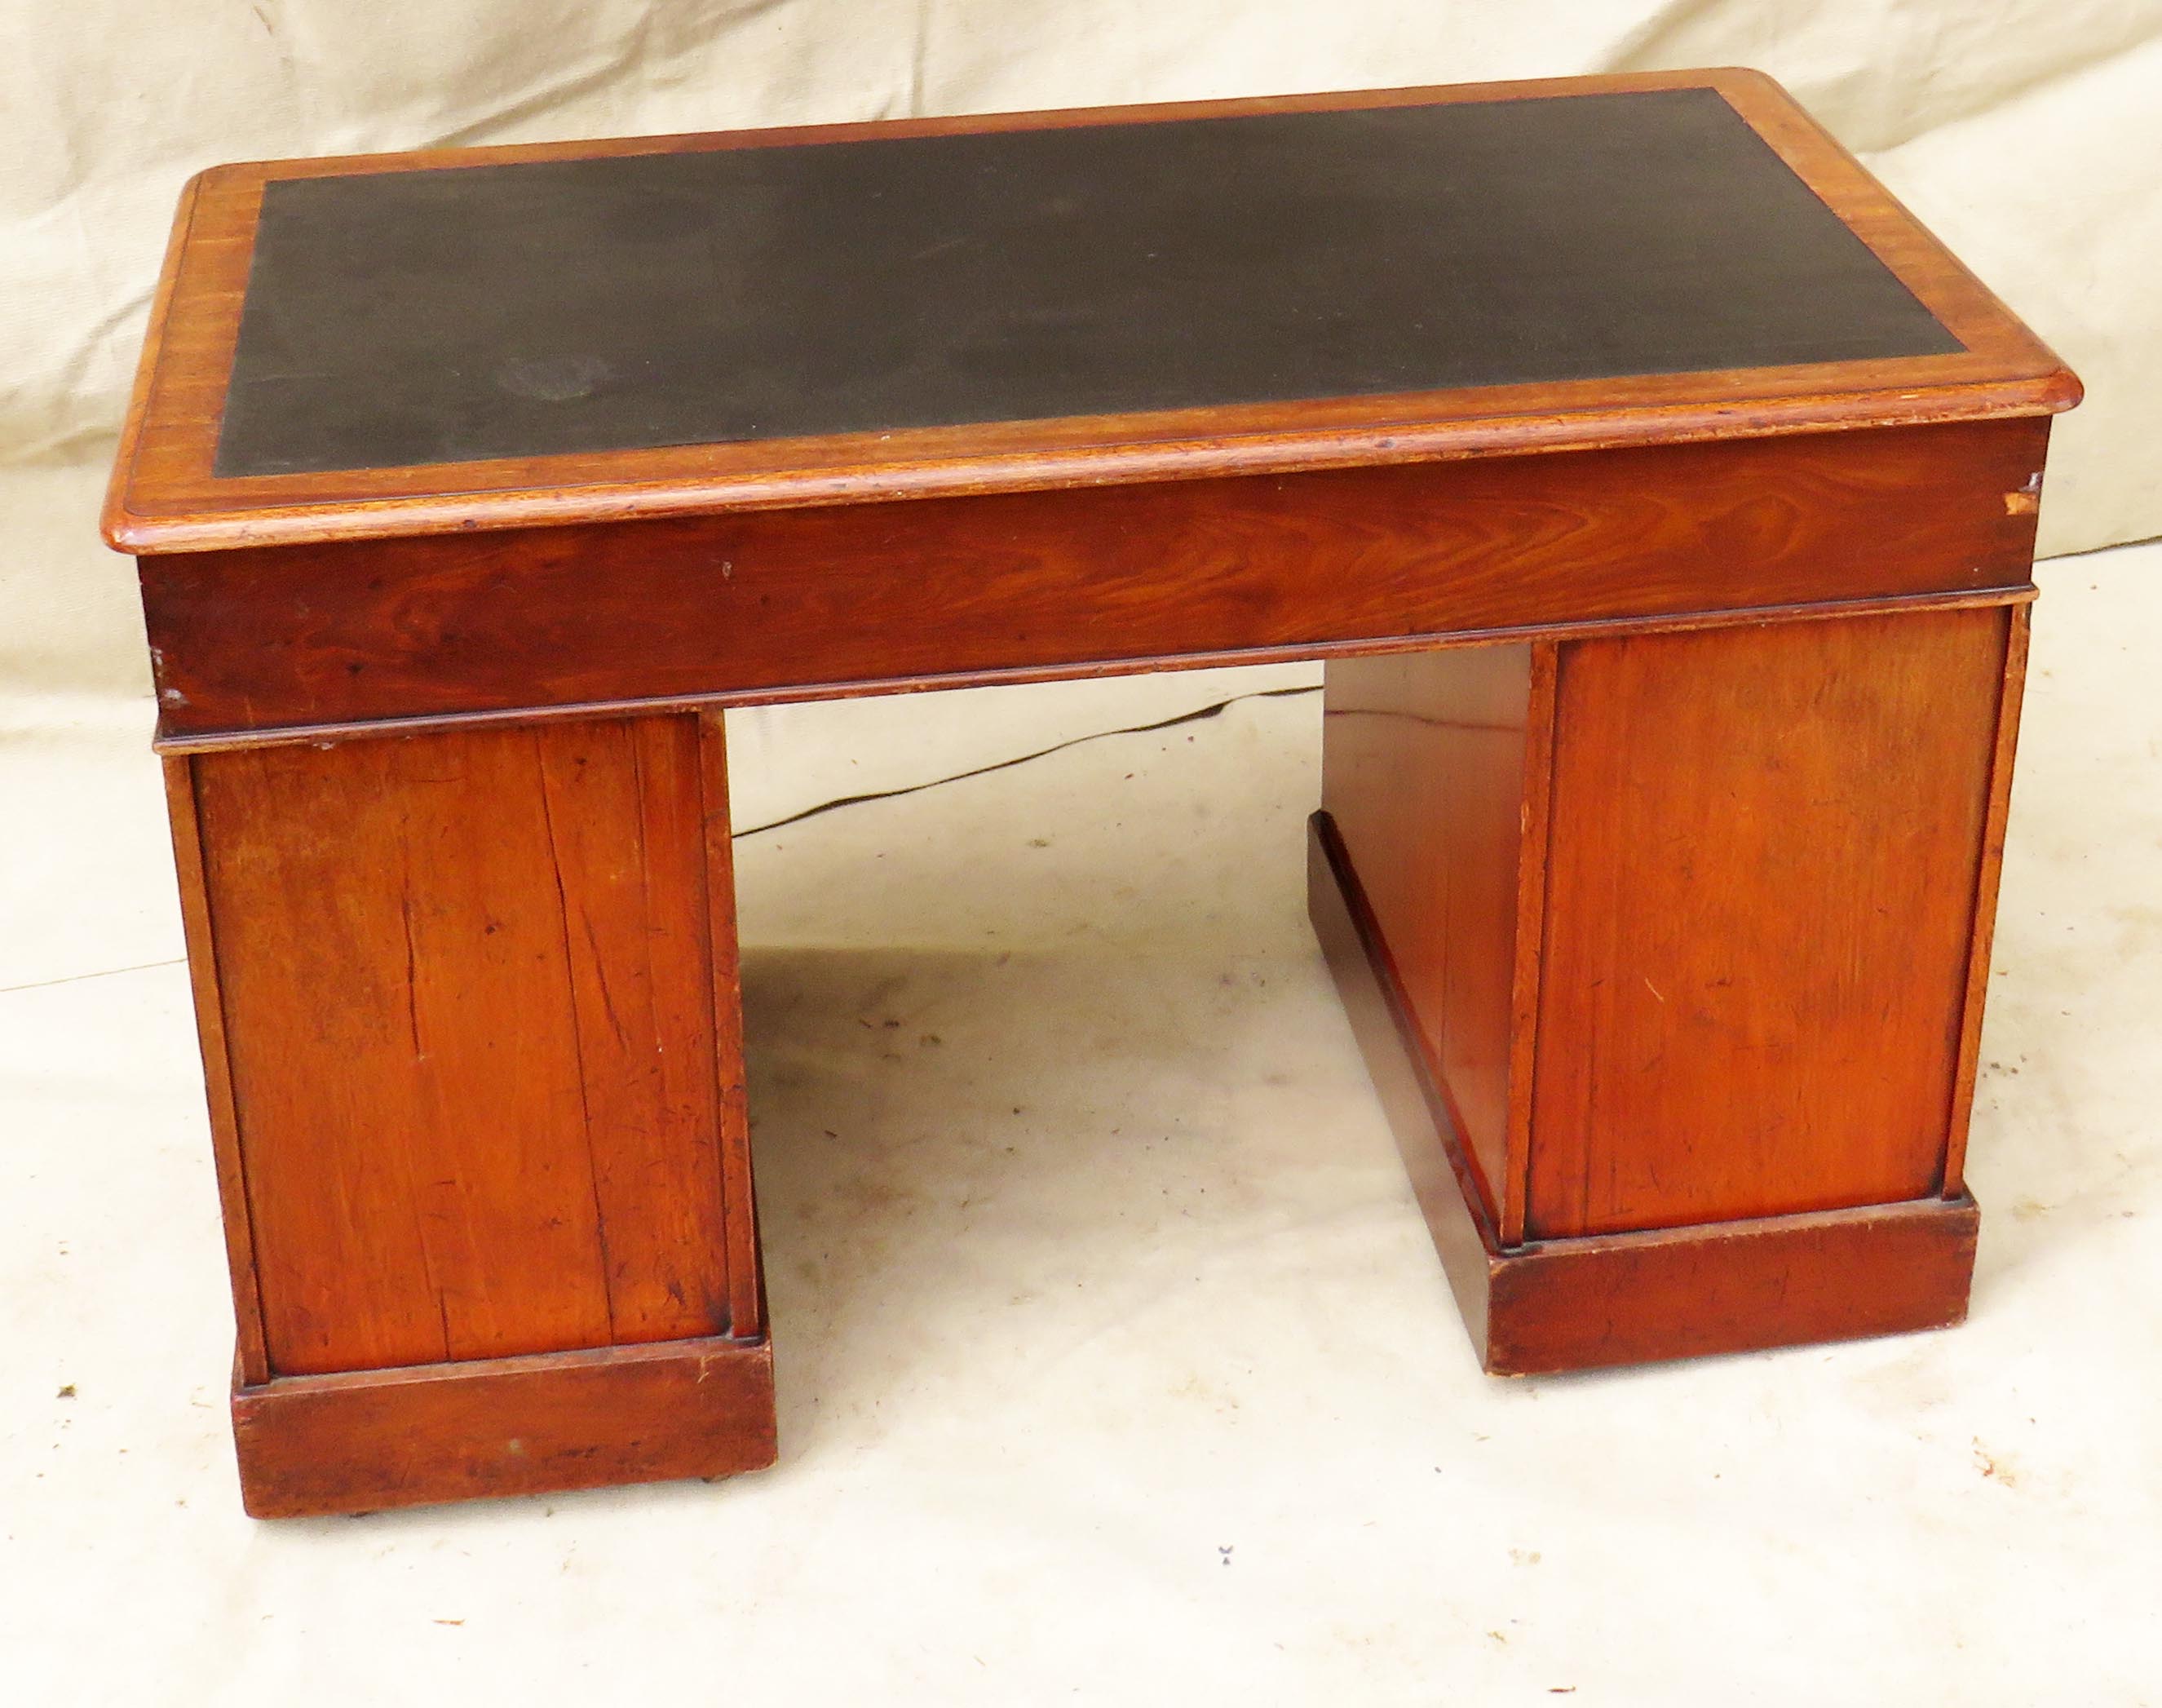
point(1437, 1160)
point(1667, 940)
point(746, 1304)
point(467, 995)
point(623, 811)
point(361, 1442)
point(1765, 852)
point(250, 1354)
point(1537, 821)
point(1634, 1297)
point(1731, 1286)
point(1423, 769)
point(164, 497)
point(780, 605)
point(1983, 933)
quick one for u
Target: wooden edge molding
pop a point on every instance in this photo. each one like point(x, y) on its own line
point(741, 1257)
point(1983, 935)
point(366, 1440)
point(596, 491)
point(1537, 841)
point(1639, 1297)
point(164, 499)
point(249, 1342)
point(218, 741)
point(146, 366)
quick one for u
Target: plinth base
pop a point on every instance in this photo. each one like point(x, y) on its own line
point(367, 1439)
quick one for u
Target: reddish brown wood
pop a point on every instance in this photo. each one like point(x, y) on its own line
point(785, 602)
point(1983, 930)
point(1760, 897)
point(467, 986)
point(746, 1311)
point(1424, 758)
point(1435, 1157)
point(163, 498)
point(359, 1442)
point(1731, 1286)
point(1628, 1299)
point(1668, 960)
point(1720, 888)
point(250, 1354)
point(1531, 901)
point(625, 815)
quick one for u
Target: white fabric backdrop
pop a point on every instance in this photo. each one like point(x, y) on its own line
point(2028, 133)
point(1987, 1498)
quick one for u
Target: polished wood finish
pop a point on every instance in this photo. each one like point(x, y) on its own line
point(359, 1443)
point(1983, 932)
point(1731, 1286)
point(740, 1262)
point(1758, 917)
point(427, 944)
point(1693, 938)
point(166, 497)
point(318, 639)
point(1636, 1298)
point(251, 1356)
point(1425, 755)
point(1669, 736)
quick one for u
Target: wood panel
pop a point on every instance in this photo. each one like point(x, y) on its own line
point(1632, 1297)
point(165, 496)
point(1766, 845)
point(1401, 1064)
point(250, 1356)
point(746, 1302)
point(1985, 896)
point(1423, 772)
point(780, 603)
point(360, 1442)
point(1731, 1286)
point(468, 1003)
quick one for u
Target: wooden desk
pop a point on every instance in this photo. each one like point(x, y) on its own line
point(1661, 496)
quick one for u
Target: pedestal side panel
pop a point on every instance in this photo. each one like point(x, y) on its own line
point(1762, 893)
point(468, 1000)
point(1424, 773)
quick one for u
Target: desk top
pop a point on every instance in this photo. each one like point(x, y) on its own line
point(404, 344)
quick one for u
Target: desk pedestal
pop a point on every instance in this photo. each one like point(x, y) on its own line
point(468, 1003)
point(1667, 953)
point(1666, 950)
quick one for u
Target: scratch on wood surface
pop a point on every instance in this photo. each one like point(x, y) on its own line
point(577, 1031)
point(412, 996)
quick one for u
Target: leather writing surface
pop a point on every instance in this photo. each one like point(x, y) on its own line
point(555, 306)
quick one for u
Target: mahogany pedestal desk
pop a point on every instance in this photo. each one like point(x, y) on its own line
point(1661, 496)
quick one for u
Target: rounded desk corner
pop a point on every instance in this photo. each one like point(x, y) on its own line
point(2064, 390)
point(201, 179)
point(1732, 80)
point(120, 529)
